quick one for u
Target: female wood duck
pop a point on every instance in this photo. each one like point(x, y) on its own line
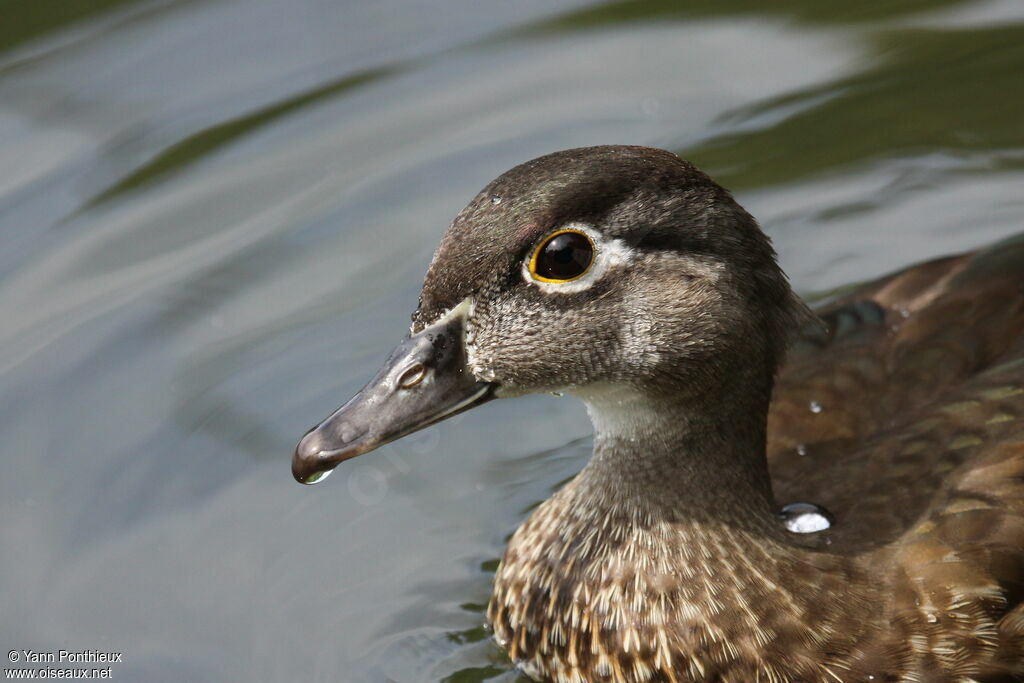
point(625, 276)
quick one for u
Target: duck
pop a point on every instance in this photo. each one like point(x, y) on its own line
point(775, 493)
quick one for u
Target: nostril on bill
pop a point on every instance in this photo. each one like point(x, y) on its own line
point(348, 434)
point(412, 376)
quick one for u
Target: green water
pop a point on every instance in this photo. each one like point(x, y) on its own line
point(214, 220)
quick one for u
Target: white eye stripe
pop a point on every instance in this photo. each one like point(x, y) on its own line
point(608, 254)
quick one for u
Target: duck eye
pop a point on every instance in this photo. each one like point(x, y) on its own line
point(562, 257)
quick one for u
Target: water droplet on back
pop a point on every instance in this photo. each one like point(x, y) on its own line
point(806, 518)
point(495, 199)
point(815, 407)
point(801, 449)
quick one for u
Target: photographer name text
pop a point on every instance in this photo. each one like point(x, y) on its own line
point(65, 657)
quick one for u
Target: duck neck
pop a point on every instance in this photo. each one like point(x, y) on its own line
point(670, 535)
point(672, 458)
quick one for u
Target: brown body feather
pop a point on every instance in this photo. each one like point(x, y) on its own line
point(904, 416)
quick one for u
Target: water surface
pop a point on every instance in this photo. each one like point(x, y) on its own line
point(215, 217)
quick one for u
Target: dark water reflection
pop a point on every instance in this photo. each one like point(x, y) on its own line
point(214, 219)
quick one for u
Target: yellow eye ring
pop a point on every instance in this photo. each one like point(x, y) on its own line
point(563, 256)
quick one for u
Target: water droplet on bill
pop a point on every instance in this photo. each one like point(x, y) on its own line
point(317, 477)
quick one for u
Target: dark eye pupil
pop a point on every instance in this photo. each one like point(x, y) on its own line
point(565, 256)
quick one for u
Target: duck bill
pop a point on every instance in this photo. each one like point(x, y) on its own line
point(423, 381)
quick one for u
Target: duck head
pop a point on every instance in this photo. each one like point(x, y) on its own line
point(604, 272)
